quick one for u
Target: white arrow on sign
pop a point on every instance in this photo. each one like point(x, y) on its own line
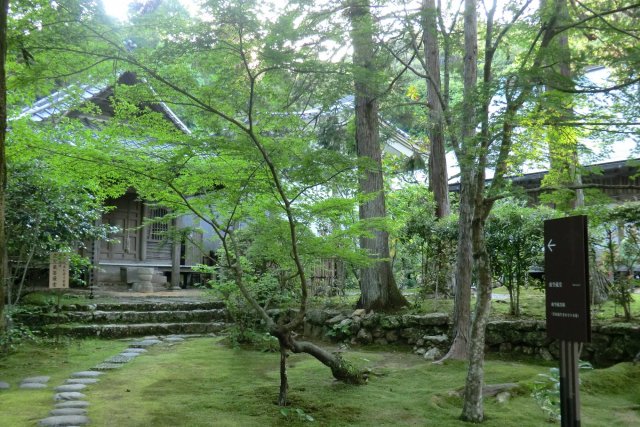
point(551, 245)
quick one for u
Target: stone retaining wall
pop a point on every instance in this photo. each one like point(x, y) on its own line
point(429, 334)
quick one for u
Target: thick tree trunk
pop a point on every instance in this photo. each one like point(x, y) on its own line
point(438, 180)
point(379, 290)
point(4, 265)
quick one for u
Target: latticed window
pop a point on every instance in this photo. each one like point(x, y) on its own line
point(159, 228)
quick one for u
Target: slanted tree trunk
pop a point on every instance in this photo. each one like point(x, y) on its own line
point(4, 265)
point(379, 290)
point(438, 180)
point(340, 369)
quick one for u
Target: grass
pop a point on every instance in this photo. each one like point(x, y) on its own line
point(204, 383)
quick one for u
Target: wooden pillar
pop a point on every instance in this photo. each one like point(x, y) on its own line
point(144, 233)
point(95, 259)
point(175, 259)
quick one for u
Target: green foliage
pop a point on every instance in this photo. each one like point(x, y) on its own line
point(514, 235)
point(615, 233)
point(15, 335)
point(546, 391)
point(425, 246)
point(45, 214)
point(340, 331)
point(547, 394)
point(79, 267)
point(296, 413)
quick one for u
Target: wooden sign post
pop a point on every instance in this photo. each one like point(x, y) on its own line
point(59, 270)
point(566, 264)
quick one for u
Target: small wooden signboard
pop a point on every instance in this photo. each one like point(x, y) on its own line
point(566, 270)
point(59, 270)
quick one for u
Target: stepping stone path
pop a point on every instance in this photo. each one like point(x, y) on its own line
point(70, 387)
point(71, 406)
point(34, 383)
point(81, 381)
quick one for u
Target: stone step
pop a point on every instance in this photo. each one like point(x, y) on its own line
point(134, 330)
point(174, 316)
point(146, 306)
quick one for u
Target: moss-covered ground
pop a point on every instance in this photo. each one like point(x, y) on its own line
point(202, 382)
point(532, 304)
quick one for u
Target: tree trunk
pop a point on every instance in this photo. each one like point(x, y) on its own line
point(472, 409)
point(438, 180)
point(340, 368)
point(4, 264)
point(512, 299)
point(379, 290)
point(284, 382)
point(466, 159)
point(464, 266)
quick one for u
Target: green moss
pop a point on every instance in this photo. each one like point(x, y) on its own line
point(202, 383)
point(57, 360)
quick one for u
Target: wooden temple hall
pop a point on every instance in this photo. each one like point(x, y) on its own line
point(147, 252)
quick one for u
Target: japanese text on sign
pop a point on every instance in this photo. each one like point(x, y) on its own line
point(59, 270)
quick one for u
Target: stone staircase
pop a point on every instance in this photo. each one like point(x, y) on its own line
point(131, 319)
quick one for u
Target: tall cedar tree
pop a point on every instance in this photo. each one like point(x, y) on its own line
point(379, 289)
point(4, 8)
point(438, 180)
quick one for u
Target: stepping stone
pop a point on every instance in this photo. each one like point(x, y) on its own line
point(146, 343)
point(68, 411)
point(131, 355)
point(33, 386)
point(150, 337)
point(86, 374)
point(135, 350)
point(64, 421)
point(70, 387)
point(4, 385)
point(72, 404)
point(108, 366)
point(69, 395)
point(119, 359)
point(40, 380)
point(81, 381)
point(174, 339)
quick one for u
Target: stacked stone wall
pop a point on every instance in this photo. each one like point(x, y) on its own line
point(430, 334)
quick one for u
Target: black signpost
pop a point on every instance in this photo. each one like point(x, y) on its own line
point(566, 265)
